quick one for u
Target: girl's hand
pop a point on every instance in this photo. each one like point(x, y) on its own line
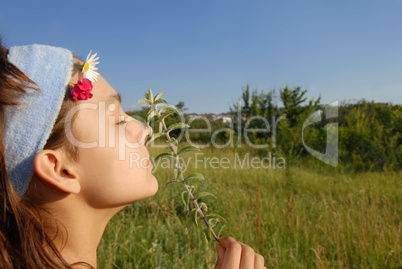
point(233, 255)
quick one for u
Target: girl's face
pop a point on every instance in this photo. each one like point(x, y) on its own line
point(113, 164)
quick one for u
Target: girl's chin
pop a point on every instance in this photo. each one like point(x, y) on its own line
point(156, 184)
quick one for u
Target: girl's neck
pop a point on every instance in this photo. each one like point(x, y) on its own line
point(80, 230)
point(75, 227)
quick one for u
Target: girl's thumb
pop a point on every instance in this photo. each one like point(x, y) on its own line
point(221, 253)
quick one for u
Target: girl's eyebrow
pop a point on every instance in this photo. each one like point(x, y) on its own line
point(113, 98)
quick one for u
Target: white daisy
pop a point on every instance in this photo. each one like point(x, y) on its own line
point(89, 68)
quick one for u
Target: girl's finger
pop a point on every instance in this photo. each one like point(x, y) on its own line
point(247, 257)
point(259, 261)
point(232, 253)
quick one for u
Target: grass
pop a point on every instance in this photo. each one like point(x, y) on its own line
point(297, 217)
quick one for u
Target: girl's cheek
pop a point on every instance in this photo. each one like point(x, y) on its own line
point(129, 134)
point(135, 131)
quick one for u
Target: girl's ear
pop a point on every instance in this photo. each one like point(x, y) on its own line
point(51, 166)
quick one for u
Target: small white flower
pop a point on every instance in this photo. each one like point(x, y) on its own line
point(89, 68)
point(154, 246)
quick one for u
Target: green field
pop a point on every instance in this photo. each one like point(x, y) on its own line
point(301, 216)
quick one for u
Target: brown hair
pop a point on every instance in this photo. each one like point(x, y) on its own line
point(23, 239)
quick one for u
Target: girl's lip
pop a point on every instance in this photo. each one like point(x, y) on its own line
point(150, 164)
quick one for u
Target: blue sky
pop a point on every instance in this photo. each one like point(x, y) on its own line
point(204, 52)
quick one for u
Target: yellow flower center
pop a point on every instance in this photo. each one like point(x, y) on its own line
point(86, 67)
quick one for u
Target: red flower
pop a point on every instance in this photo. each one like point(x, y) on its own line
point(82, 90)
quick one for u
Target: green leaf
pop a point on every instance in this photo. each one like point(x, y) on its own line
point(203, 194)
point(159, 126)
point(169, 108)
point(173, 143)
point(167, 113)
point(207, 235)
point(185, 197)
point(186, 209)
point(203, 207)
point(153, 137)
point(150, 115)
point(171, 181)
point(188, 148)
point(148, 109)
point(178, 125)
point(194, 216)
point(162, 109)
point(160, 101)
point(163, 155)
point(212, 222)
point(191, 188)
point(151, 111)
point(222, 219)
point(177, 174)
point(150, 95)
point(195, 175)
point(159, 95)
point(143, 100)
point(190, 224)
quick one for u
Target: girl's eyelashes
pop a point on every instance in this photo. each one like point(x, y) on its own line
point(122, 121)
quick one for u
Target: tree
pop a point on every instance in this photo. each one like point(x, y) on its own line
point(254, 108)
point(246, 99)
point(180, 106)
point(265, 103)
point(292, 100)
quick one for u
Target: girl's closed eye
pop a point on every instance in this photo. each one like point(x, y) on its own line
point(122, 120)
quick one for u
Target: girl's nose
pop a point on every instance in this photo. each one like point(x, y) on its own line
point(150, 131)
point(147, 131)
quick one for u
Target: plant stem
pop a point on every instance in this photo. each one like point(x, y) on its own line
point(199, 210)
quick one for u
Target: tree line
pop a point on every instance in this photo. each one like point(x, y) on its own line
point(368, 137)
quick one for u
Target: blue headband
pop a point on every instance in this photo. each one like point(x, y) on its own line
point(29, 125)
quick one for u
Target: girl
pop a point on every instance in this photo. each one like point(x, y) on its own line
point(64, 156)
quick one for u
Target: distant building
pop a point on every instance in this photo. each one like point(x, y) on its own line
point(226, 118)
